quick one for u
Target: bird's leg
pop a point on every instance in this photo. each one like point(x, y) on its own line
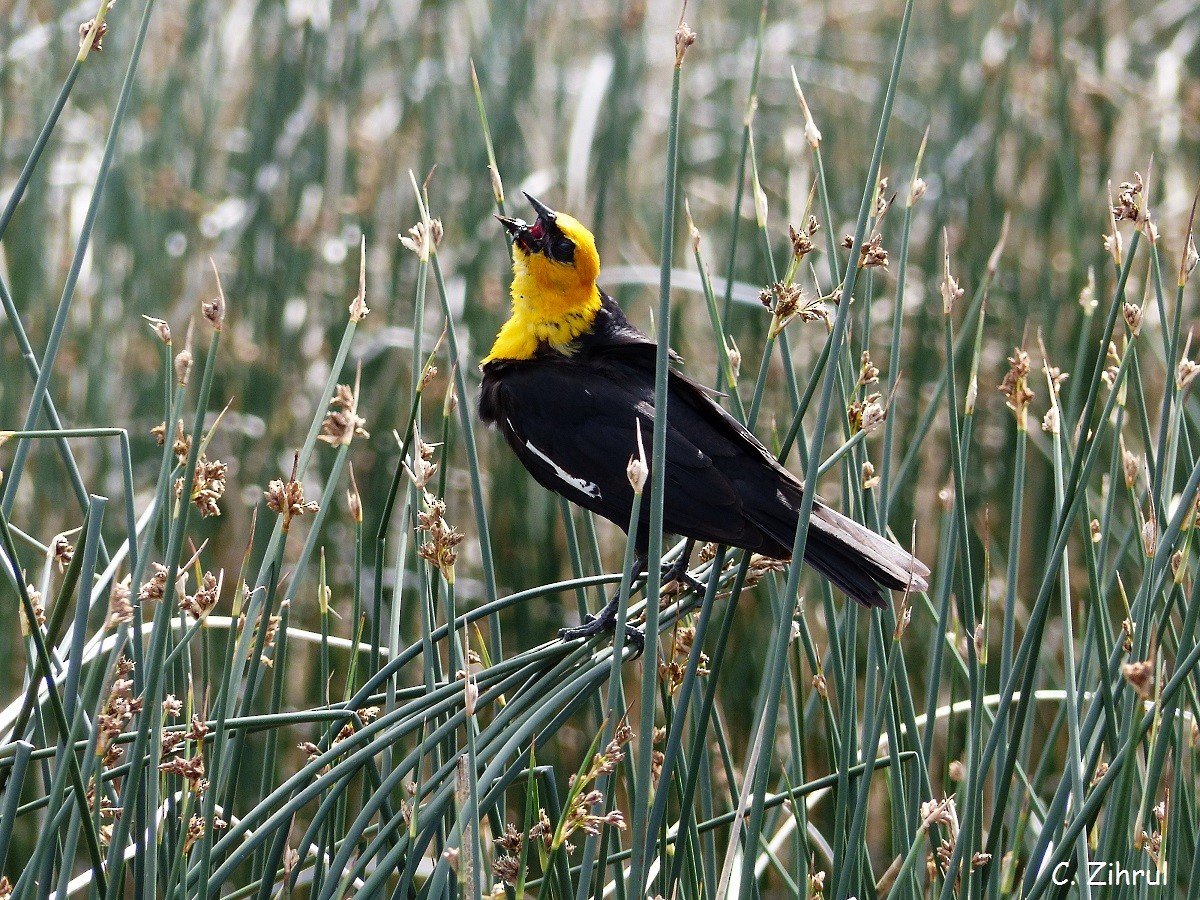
point(678, 570)
point(606, 619)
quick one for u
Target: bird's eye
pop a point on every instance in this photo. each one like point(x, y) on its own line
point(562, 249)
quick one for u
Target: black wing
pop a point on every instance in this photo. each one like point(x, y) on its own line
point(573, 423)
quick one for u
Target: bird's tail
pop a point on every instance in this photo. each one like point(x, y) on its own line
point(858, 560)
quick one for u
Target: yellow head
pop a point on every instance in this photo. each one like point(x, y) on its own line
point(554, 293)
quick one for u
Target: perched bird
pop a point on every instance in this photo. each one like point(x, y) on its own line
point(569, 381)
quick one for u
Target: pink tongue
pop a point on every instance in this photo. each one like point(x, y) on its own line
point(535, 231)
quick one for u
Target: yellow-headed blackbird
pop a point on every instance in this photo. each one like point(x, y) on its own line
point(567, 383)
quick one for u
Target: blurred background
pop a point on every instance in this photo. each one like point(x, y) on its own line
point(271, 136)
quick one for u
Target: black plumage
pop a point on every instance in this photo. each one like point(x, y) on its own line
point(572, 418)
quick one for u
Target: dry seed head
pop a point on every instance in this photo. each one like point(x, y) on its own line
point(97, 33)
point(39, 611)
point(183, 359)
point(155, 588)
point(208, 486)
point(506, 869)
point(873, 414)
point(201, 603)
point(868, 372)
point(214, 311)
point(358, 306)
point(1150, 537)
point(1140, 676)
point(418, 240)
point(342, 422)
point(820, 685)
point(62, 550)
point(1187, 370)
point(939, 812)
point(1131, 464)
point(684, 38)
point(422, 468)
point(1050, 420)
point(1133, 318)
point(1015, 386)
point(1096, 532)
point(442, 539)
point(957, 770)
point(1190, 259)
point(1129, 200)
point(951, 292)
point(637, 471)
point(161, 328)
point(120, 610)
point(869, 479)
point(354, 499)
point(497, 184)
point(287, 499)
point(735, 359)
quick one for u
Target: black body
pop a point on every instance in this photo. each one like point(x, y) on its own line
point(572, 420)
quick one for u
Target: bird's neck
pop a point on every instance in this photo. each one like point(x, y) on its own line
point(551, 306)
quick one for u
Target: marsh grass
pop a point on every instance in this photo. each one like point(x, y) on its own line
point(346, 683)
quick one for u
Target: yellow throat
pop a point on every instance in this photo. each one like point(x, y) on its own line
point(552, 302)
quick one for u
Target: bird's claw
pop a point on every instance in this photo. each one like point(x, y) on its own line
point(594, 625)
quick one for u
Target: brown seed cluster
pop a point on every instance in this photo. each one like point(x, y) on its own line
point(119, 707)
point(581, 815)
point(801, 238)
point(120, 610)
point(342, 422)
point(156, 587)
point(287, 499)
point(787, 302)
point(1015, 387)
point(39, 611)
point(268, 638)
point(1152, 841)
point(671, 670)
point(190, 768)
point(1128, 204)
point(1140, 676)
point(201, 603)
point(1187, 370)
point(97, 33)
point(422, 468)
point(208, 486)
point(63, 550)
point(441, 539)
point(872, 255)
point(867, 414)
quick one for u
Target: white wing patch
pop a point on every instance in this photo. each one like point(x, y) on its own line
point(579, 484)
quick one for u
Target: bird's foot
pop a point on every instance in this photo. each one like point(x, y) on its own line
point(677, 571)
point(605, 622)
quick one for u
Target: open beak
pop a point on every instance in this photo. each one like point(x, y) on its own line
point(514, 226)
point(531, 238)
point(545, 213)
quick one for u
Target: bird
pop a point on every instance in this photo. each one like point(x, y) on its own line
point(569, 383)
